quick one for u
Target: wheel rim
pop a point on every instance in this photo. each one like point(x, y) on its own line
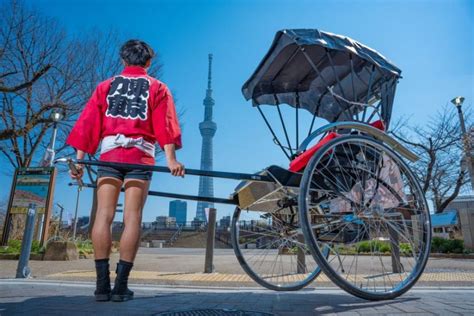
point(270, 247)
point(361, 200)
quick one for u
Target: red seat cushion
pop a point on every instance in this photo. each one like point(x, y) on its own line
point(300, 162)
point(378, 124)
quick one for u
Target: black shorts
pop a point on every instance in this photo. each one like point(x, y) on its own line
point(124, 173)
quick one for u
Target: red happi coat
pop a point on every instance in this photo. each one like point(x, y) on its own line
point(133, 104)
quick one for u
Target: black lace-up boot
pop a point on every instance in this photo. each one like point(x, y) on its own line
point(121, 293)
point(102, 292)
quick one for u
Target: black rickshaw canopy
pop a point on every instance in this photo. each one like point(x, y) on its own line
point(329, 75)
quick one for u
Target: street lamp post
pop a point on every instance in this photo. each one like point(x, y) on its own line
point(55, 116)
point(468, 157)
point(75, 213)
point(48, 159)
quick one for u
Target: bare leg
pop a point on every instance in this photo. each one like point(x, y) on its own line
point(136, 192)
point(108, 190)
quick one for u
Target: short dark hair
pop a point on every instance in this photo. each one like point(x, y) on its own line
point(136, 52)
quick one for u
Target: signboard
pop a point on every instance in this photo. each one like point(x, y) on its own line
point(30, 186)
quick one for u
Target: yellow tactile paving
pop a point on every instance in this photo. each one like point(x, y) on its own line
point(242, 278)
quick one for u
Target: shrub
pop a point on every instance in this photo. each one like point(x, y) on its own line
point(14, 244)
point(363, 246)
point(84, 247)
point(372, 246)
point(405, 249)
point(436, 243)
point(36, 248)
point(455, 245)
point(442, 245)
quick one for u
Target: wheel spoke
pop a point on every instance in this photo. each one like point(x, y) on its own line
point(270, 251)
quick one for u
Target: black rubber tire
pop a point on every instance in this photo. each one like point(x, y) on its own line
point(312, 242)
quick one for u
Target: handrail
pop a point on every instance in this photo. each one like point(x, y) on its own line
point(175, 235)
point(180, 230)
point(395, 145)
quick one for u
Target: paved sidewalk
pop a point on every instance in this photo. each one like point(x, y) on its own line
point(184, 266)
point(34, 297)
point(233, 280)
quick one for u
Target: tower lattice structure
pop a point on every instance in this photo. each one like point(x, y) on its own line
point(208, 129)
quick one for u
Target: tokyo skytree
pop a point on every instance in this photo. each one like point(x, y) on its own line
point(208, 130)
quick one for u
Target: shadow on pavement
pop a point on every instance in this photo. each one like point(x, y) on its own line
point(282, 303)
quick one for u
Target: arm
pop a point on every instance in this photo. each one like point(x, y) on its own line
point(176, 168)
point(86, 134)
point(167, 130)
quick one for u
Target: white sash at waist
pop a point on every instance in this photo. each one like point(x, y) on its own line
point(111, 142)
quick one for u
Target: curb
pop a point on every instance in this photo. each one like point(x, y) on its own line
point(181, 288)
point(452, 255)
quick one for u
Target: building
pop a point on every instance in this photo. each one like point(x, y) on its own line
point(83, 222)
point(147, 225)
point(117, 225)
point(208, 130)
point(224, 222)
point(165, 222)
point(178, 209)
point(464, 207)
point(446, 225)
point(461, 203)
point(198, 223)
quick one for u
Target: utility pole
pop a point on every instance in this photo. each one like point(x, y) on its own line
point(75, 214)
point(468, 155)
point(60, 218)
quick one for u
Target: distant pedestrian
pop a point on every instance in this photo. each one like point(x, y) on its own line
point(127, 115)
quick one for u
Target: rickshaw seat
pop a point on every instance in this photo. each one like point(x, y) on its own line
point(378, 124)
point(300, 162)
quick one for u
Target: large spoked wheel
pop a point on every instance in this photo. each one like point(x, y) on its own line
point(270, 248)
point(361, 201)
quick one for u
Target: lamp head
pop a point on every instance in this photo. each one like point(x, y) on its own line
point(57, 115)
point(458, 101)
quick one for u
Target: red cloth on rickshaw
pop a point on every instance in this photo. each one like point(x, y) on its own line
point(300, 162)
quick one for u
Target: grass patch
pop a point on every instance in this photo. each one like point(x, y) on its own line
point(14, 247)
point(84, 247)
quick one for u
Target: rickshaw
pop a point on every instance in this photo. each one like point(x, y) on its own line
point(348, 203)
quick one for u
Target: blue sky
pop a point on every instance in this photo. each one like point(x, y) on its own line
point(431, 41)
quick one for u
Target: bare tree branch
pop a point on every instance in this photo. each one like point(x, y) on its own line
point(439, 146)
point(27, 84)
point(42, 69)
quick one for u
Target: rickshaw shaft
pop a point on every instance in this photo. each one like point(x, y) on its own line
point(177, 196)
point(193, 172)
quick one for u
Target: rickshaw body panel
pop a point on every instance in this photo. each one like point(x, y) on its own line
point(265, 196)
